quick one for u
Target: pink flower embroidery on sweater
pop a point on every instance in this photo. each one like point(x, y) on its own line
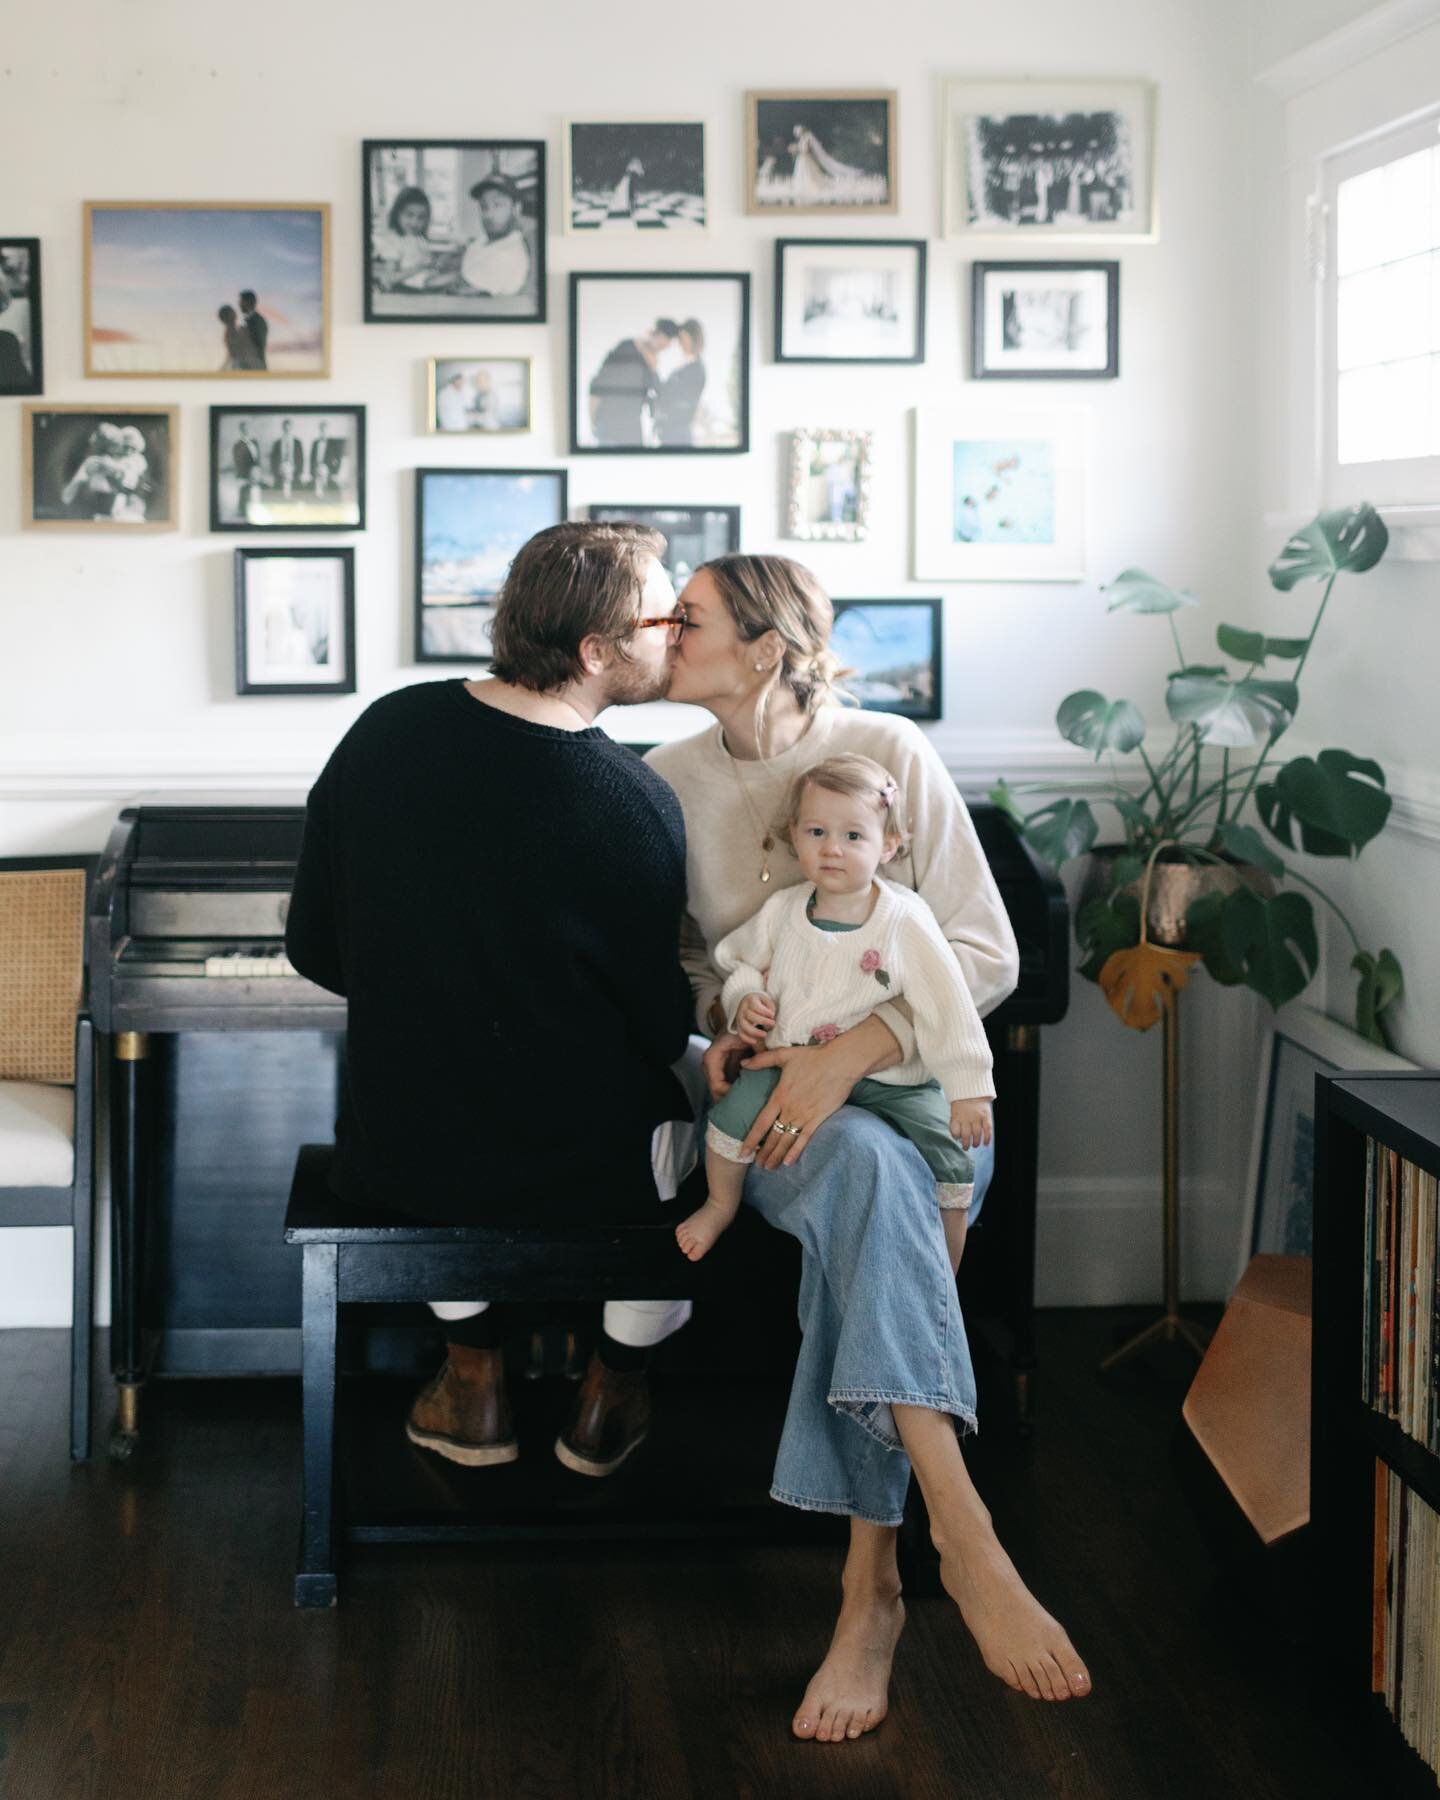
point(824, 1034)
point(870, 961)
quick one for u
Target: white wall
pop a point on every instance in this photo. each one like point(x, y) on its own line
point(115, 656)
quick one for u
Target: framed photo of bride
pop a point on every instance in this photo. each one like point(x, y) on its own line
point(621, 176)
point(827, 152)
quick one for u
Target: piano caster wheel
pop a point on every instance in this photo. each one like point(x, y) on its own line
point(125, 1436)
point(123, 1444)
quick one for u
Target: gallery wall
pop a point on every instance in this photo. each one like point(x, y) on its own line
point(116, 656)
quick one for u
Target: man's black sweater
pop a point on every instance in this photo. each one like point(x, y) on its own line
point(500, 903)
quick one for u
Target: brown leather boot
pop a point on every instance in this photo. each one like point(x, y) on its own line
point(464, 1413)
point(611, 1418)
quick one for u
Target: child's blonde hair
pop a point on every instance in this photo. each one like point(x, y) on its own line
point(859, 776)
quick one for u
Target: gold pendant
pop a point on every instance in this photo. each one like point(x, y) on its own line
point(765, 873)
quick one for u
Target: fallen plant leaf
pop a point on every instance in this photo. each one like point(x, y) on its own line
point(1141, 981)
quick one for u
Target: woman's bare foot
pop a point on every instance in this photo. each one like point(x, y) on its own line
point(698, 1233)
point(849, 1693)
point(1018, 1639)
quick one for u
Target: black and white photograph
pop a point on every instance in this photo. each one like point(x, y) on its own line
point(635, 175)
point(692, 534)
point(1050, 159)
point(821, 152)
point(89, 468)
point(850, 300)
point(829, 485)
point(287, 468)
point(890, 650)
point(479, 394)
point(455, 231)
point(659, 364)
point(22, 362)
point(234, 290)
point(468, 525)
point(1045, 321)
point(295, 621)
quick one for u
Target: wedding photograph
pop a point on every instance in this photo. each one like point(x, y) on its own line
point(92, 468)
point(1044, 321)
point(295, 621)
point(479, 394)
point(22, 366)
point(287, 468)
point(634, 175)
point(849, 300)
point(821, 152)
point(454, 231)
point(233, 290)
point(659, 364)
point(468, 525)
point(692, 534)
point(829, 485)
point(892, 650)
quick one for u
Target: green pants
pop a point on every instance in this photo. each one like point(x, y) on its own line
point(920, 1114)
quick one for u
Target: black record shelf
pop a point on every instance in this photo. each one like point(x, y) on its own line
point(1401, 1112)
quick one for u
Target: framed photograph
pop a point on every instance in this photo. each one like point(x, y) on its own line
point(850, 300)
point(659, 364)
point(999, 492)
point(484, 394)
point(1045, 321)
point(468, 525)
point(287, 468)
point(1302, 1042)
point(829, 486)
point(100, 468)
point(1050, 159)
point(893, 647)
point(295, 621)
point(233, 290)
point(455, 231)
point(832, 152)
point(22, 362)
point(624, 175)
point(693, 534)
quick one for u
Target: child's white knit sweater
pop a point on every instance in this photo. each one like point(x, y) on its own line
point(823, 982)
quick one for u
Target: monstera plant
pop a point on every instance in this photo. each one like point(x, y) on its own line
point(1220, 799)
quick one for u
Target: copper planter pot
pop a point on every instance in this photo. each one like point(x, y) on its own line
point(1174, 889)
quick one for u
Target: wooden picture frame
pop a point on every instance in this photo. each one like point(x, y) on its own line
point(122, 487)
point(797, 111)
point(294, 636)
point(434, 372)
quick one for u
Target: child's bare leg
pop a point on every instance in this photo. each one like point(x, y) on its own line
point(726, 1180)
point(956, 1221)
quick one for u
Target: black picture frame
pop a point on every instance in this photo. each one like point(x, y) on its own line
point(425, 316)
point(218, 415)
point(980, 273)
point(467, 655)
point(918, 707)
point(741, 280)
point(32, 383)
point(660, 517)
point(919, 249)
point(248, 555)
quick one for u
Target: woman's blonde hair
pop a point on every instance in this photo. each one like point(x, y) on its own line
point(858, 776)
point(772, 593)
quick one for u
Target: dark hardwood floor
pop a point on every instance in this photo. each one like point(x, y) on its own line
point(149, 1649)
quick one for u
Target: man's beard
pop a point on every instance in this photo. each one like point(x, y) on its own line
point(628, 684)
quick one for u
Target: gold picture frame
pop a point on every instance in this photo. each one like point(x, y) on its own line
point(117, 477)
point(816, 169)
point(233, 343)
point(433, 390)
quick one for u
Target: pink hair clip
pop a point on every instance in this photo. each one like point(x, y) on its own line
point(888, 793)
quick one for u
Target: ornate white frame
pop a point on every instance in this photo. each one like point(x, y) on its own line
point(802, 443)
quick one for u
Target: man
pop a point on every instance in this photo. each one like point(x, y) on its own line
point(245, 460)
point(452, 409)
point(499, 262)
point(255, 328)
point(497, 888)
point(287, 459)
point(625, 386)
point(327, 460)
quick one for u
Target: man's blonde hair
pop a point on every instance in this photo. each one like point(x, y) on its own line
point(861, 777)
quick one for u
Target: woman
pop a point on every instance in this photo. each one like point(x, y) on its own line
point(881, 1385)
point(678, 397)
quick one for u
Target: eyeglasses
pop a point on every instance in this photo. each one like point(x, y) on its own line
point(674, 624)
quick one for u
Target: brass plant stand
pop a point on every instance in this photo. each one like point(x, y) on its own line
point(1171, 1325)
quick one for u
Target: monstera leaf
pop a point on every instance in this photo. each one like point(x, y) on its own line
point(1142, 981)
point(1272, 942)
point(1105, 926)
point(1098, 724)
point(1351, 538)
point(1063, 829)
point(1338, 800)
point(1246, 845)
point(1133, 590)
point(1381, 984)
point(1254, 646)
point(1205, 934)
point(1003, 799)
point(1232, 713)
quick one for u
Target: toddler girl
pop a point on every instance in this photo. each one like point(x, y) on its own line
point(816, 959)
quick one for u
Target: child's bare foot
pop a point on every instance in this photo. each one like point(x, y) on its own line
point(1018, 1639)
point(849, 1693)
point(698, 1233)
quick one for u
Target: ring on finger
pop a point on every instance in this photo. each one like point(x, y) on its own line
point(777, 1126)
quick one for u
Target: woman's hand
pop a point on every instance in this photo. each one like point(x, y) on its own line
point(813, 1084)
point(721, 1062)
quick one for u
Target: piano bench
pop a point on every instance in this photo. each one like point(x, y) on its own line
point(352, 1255)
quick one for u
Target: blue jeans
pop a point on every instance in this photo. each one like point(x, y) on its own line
point(878, 1311)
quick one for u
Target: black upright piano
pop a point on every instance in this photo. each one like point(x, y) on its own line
point(223, 1060)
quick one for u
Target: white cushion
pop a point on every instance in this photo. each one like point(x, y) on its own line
point(37, 1136)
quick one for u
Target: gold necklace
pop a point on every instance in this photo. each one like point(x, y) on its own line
point(767, 838)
